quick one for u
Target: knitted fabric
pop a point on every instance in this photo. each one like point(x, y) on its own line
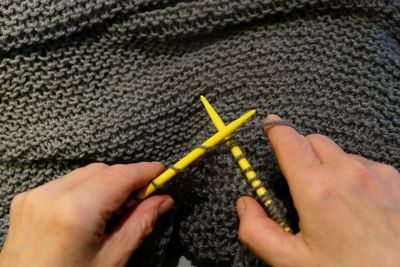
point(119, 81)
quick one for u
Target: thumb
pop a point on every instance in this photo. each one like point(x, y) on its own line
point(267, 239)
point(131, 232)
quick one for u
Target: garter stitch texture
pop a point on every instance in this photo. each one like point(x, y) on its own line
point(119, 81)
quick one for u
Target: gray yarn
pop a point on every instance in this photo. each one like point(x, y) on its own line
point(269, 124)
point(119, 81)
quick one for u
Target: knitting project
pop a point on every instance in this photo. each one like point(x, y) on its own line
point(119, 81)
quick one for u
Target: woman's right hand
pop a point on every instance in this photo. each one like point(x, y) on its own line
point(349, 207)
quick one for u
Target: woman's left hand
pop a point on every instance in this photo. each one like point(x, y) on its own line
point(62, 223)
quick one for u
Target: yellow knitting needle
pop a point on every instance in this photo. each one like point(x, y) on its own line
point(242, 160)
point(193, 155)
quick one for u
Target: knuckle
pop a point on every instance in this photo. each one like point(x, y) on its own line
point(16, 202)
point(34, 198)
point(325, 192)
point(147, 222)
point(120, 170)
point(355, 156)
point(358, 170)
point(98, 166)
point(66, 214)
point(317, 137)
point(359, 176)
point(390, 171)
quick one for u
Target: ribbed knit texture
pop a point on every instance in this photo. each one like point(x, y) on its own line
point(119, 81)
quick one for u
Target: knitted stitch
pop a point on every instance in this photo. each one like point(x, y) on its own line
point(119, 81)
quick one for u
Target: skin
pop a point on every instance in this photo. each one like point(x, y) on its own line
point(349, 209)
point(62, 223)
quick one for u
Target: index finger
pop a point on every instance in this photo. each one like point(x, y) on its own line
point(294, 153)
point(111, 188)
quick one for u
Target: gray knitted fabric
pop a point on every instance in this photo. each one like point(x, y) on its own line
point(119, 81)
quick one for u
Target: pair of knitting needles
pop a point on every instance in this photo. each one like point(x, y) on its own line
point(239, 157)
point(196, 153)
point(184, 162)
point(224, 133)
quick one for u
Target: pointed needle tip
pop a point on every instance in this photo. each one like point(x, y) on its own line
point(252, 112)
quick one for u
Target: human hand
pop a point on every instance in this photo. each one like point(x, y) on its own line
point(62, 223)
point(349, 207)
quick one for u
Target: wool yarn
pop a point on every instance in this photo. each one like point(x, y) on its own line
point(119, 81)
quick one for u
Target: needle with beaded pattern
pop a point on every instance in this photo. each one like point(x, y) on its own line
point(193, 155)
point(264, 195)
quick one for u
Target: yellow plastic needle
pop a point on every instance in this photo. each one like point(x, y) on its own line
point(242, 160)
point(193, 155)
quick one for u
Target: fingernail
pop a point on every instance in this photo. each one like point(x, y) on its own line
point(241, 206)
point(165, 206)
point(271, 117)
point(271, 120)
point(162, 165)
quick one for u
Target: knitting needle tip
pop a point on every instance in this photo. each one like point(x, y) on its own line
point(215, 118)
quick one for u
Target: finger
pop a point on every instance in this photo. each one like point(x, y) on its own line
point(80, 175)
point(131, 232)
point(380, 169)
point(70, 180)
point(111, 188)
point(326, 150)
point(267, 239)
point(295, 155)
